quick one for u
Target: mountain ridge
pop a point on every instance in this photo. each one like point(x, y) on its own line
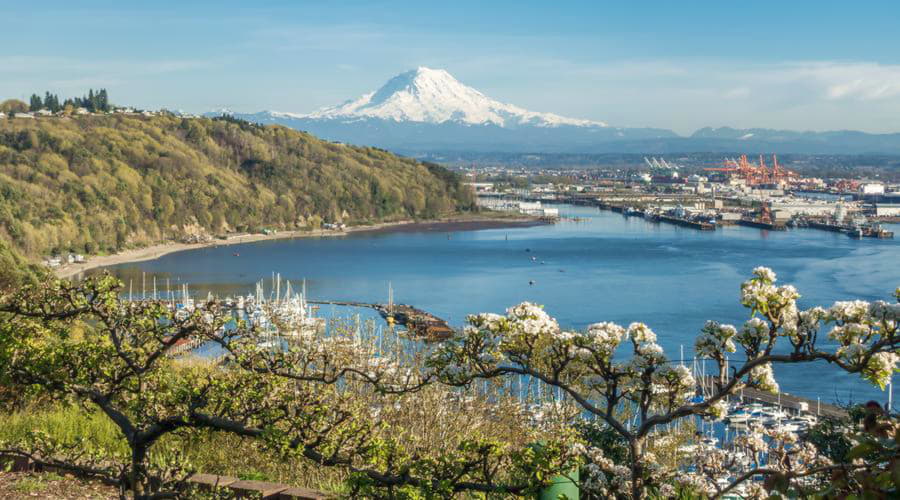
point(425, 110)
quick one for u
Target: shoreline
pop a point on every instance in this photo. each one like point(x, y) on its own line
point(156, 251)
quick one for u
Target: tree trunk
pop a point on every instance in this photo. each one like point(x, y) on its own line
point(637, 468)
point(138, 474)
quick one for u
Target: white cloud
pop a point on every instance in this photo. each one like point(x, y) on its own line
point(686, 94)
point(24, 64)
point(864, 81)
point(737, 93)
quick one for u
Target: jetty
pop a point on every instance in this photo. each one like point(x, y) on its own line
point(417, 321)
point(794, 404)
point(681, 221)
point(762, 224)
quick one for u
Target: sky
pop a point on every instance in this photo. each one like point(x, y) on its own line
point(800, 65)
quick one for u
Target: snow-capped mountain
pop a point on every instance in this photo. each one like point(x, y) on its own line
point(433, 96)
point(428, 109)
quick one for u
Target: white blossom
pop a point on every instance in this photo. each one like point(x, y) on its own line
point(848, 311)
point(531, 319)
point(765, 274)
point(718, 409)
point(675, 382)
point(641, 333)
point(714, 340)
point(754, 330)
point(764, 377)
point(606, 336)
point(881, 368)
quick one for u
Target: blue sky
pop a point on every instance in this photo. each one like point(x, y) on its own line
point(680, 65)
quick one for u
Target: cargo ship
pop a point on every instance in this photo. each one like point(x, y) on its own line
point(762, 224)
point(764, 221)
point(827, 226)
point(695, 224)
point(870, 231)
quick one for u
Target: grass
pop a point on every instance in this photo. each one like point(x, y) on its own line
point(66, 425)
point(50, 485)
point(32, 484)
point(207, 452)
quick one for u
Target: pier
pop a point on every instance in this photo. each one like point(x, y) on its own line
point(760, 224)
point(786, 401)
point(417, 321)
point(678, 221)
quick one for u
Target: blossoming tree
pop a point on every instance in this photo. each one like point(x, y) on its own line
point(610, 366)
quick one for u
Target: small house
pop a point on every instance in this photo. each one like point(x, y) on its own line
point(43, 112)
point(24, 115)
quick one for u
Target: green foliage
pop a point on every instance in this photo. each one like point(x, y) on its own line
point(600, 435)
point(13, 106)
point(13, 269)
point(124, 407)
point(98, 184)
point(830, 436)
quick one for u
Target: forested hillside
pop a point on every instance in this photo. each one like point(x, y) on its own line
point(97, 184)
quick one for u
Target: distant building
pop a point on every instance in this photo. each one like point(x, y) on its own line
point(887, 209)
point(44, 112)
point(82, 111)
point(481, 186)
point(872, 188)
point(24, 115)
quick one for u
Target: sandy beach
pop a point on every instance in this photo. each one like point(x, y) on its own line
point(156, 251)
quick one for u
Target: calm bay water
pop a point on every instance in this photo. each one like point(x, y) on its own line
point(607, 268)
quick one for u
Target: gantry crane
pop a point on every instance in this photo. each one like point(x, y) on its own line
point(754, 173)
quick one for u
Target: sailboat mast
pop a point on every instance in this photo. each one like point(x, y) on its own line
point(390, 298)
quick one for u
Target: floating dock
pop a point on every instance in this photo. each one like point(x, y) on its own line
point(703, 226)
point(422, 323)
point(795, 404)
point(771, 226)
point(826, 226)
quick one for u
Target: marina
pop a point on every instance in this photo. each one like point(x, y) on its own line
point(605, 267)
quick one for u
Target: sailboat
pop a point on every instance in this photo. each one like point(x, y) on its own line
point(390, 307)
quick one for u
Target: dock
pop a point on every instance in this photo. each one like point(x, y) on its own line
point(771, 226)
point(417, 321)
point(784, 400)
point(678, 221)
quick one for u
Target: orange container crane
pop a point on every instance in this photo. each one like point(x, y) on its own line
point(754, 173)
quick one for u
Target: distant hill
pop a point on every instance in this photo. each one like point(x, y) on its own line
point(102, 183)
point(788, 141)
point(427, 110)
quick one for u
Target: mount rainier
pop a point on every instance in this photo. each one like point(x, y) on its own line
point(428, 110)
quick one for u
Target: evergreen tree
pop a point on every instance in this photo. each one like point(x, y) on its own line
point(51, 102)
point(103, 100)
point(36, 103)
